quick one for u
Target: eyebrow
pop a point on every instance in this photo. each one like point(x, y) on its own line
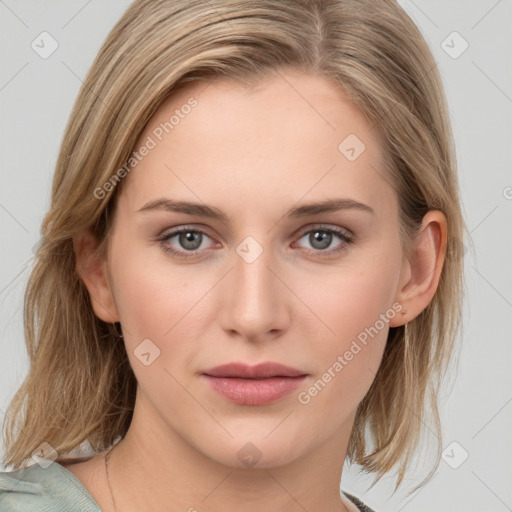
point(203, 210)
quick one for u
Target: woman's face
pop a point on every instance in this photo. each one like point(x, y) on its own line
point(265, 279)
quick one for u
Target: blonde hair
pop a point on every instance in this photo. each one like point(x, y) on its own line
point(80, 386)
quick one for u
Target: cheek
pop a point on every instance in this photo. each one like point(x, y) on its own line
point(155, 306)
point(154, 297)
point(159, 308)
point(348, 360)
point(355, 306)
point(354, 296)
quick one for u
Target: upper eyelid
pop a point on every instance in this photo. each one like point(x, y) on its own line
point(326, 227)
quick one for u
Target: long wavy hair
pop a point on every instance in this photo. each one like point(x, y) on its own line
point(80, 386)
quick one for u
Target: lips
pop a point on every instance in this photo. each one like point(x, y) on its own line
point(262, 384)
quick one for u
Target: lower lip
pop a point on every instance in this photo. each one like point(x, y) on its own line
point(254, 391)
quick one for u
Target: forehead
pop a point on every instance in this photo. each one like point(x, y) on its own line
point(290, 135)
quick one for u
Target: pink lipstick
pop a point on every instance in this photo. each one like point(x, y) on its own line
point(262, 384)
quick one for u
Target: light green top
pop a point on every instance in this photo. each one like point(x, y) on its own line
point(55, 489)
point(49, 489)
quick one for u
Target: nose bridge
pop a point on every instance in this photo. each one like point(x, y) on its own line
point(256, 303)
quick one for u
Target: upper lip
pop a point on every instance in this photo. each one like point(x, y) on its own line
point(259, 371)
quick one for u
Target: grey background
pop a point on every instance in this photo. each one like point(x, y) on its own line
point(36, 96)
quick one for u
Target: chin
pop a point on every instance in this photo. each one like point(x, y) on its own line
point(255, 452)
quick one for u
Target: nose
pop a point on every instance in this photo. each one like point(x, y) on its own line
point(256, 301)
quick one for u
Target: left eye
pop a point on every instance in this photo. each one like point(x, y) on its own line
point(191, 241)
point(321, 238)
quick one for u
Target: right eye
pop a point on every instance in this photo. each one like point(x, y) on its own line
point(190, 239)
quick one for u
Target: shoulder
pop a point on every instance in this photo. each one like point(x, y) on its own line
point(43, 489)
point(358, 503)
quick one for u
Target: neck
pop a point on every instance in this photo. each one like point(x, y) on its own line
point(159, 470)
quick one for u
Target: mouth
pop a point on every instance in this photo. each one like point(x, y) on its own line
point(262, 384)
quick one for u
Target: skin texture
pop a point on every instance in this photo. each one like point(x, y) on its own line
point(254, 155)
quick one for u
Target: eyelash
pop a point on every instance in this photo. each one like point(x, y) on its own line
point(345, 238)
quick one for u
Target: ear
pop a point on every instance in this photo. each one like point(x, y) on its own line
point(422, 269)
point(92, 268)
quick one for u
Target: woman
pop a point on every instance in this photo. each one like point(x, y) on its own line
point(246, 275)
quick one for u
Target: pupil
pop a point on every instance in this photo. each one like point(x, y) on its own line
point(322, 237)
point(189, 240)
